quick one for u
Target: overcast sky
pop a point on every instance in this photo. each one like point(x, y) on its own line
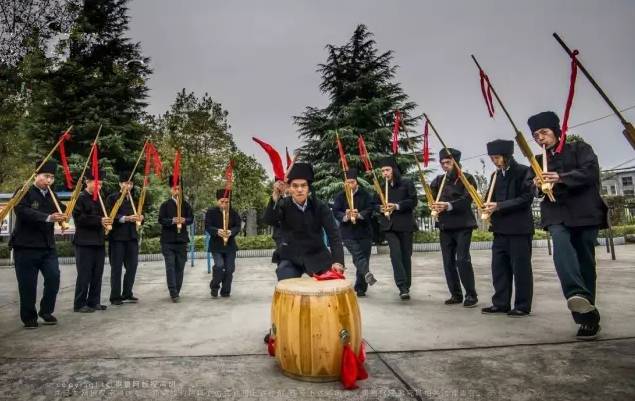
point(259, 58)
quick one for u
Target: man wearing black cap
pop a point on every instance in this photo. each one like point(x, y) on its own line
point(173, 242)
point(456, 222)
point(33, 247)
point(574, 219)
point(123, 245)
point(90, 250)
point(222, 243)
point(399, 225)
point(513, 227)
point(355, 229)
point(303, 219)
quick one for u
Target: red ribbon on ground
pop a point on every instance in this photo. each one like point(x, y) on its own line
point(362, 373)
point(66, 136)
point(486, 89)
point(289, 159)
point(229, 178)
point(95, 170)
point(274, 156)
point(340, 148)
point(353, 368)
point(363, 154)
point(426, 145)
point(395, 132)
point(176, 171)
point(567, 108)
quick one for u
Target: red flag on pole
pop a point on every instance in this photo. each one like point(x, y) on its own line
point(229, 178)
point(395, 132)
point(567, 108)
point(176, 171)
point(486, 89)
point(274, 156)
point(426, 145)
point(95, 171)
point(340, 148)
point(289, 160)
point(363, 154)
point(66, 136)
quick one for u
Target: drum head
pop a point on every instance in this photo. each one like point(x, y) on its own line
point(313, 287)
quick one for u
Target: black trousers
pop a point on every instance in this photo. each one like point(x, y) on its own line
point(360, 250)
point(287, 269)
point(223, 271)
point(400, 245)
point(122, 253)
point(175, 255)
point(90, 268)
point(511, 264)
point(28, 262)
point(457, 263)
point(574, 258)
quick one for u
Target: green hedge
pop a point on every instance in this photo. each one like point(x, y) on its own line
point(152, 245)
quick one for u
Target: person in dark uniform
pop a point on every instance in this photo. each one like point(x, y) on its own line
point(302, 219)
point(283, 188)
point(513, 227)
point(123, 245)
point(224, 254)
point(455, 222)
point(358, 236)
point(400, 226)
point(33, 247)
point(173, 242)
point(574, 219)
point(90, 249)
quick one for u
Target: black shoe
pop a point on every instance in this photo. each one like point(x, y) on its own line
point(85, 309)
point(116, 302)
point(267, 338)
point(100, 307)
point(131, 299)
point(361, 294)
point(454, 300)
point(31, 324)
point(588, 332)
point(214, 292)
point(492, 310)
point(175, 299)
point(49, 319)
point(224, 295)
point(580, 304)
point(404, 295)
point(369, 278)
point(517, 313)
point(470, 302)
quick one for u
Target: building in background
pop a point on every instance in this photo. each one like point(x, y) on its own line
point(619, 182)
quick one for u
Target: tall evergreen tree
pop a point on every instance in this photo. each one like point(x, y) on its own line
point(359, 81)
point(97, 76)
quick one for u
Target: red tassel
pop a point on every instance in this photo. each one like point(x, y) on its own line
point(363, 154)
point(567, 108)
point(289, 160)
point(426, 145)
point(340, 148)
point(176, 171)
point(274, 156)
point(229, 178)
point(395, 132)
point(158, 166)
point(486, 89)
point(67, 171)
point(349, 368)
point(271, 345)
point(95, 171)
point(362, 373)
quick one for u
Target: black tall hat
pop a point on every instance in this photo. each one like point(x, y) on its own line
point(546, 119)
point(171, 177)
point(352, 174)
point(124, 176)
point(454, 153)
point(49, 167)
point(500, 147)
point(220, 193)
point(301, 171)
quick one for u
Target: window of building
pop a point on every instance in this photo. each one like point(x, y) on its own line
point(613, 191)
point(627, 181)
point(628, 192)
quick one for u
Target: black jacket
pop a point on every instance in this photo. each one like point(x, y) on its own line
point(167, 212)
point(214, 222)
point(364, 204)
point(513, 194)
point(461, 216)
point(403, 193)
point(87, 216)
point(121, 231)
point(301, 233)
point(578, 201)
point(31, 229)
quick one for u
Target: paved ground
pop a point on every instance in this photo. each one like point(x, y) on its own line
point(205, 348)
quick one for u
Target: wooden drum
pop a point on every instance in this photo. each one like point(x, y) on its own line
point(309, 318)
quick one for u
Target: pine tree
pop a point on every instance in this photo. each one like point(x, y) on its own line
point(97, 77)
point(359, 81)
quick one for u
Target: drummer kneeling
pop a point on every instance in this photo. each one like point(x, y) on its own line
point(302, 220)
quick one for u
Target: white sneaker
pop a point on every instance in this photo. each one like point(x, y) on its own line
point(579, 304)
